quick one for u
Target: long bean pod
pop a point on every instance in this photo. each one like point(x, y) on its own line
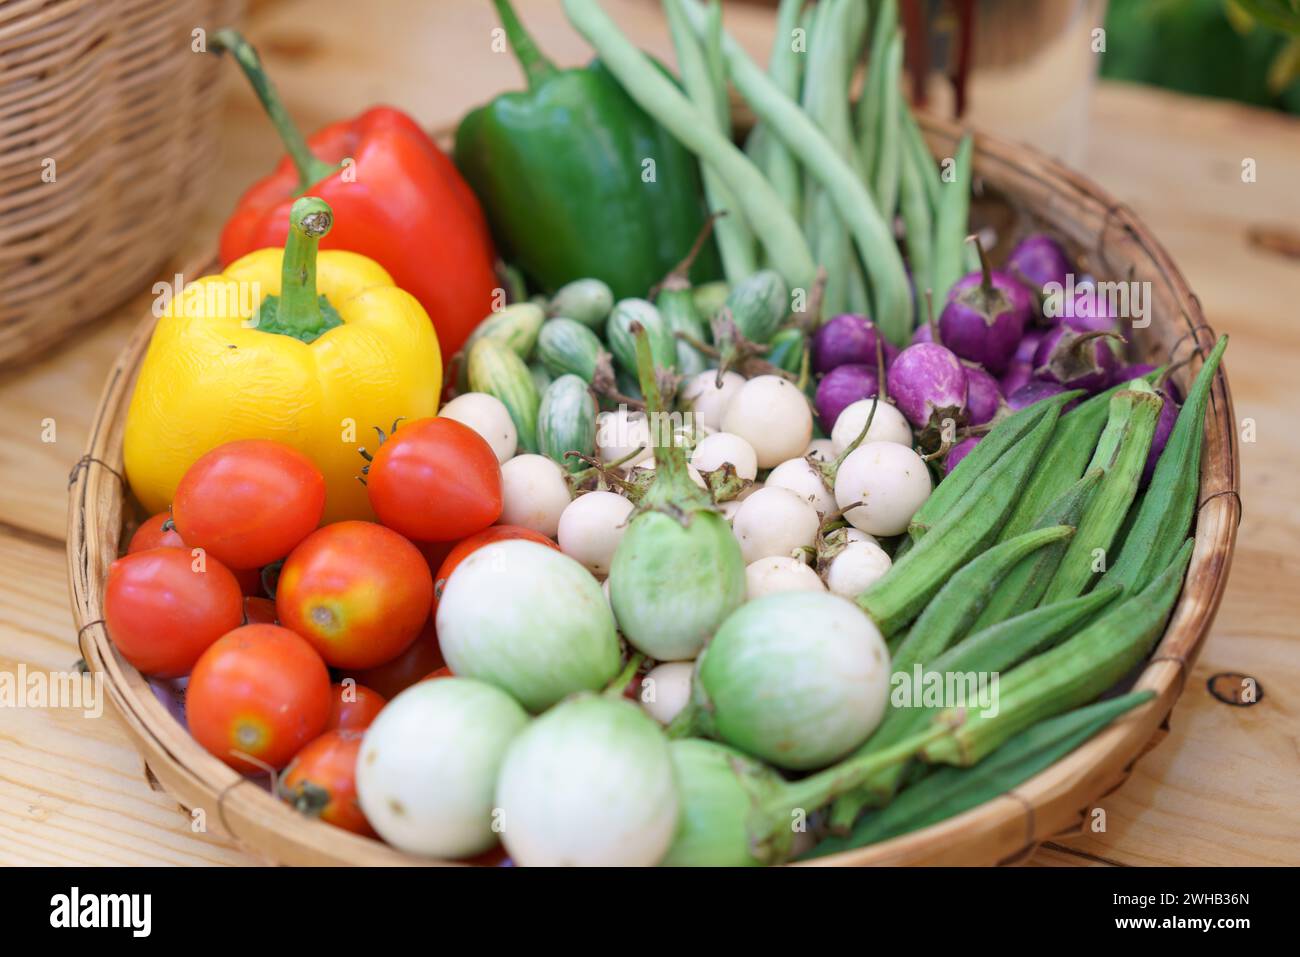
point(785, 66)
point(1165, 514)
point(1073, 672)
point(952, 224)
point(766, 213)
point(949, 791)
point(883, 29)
point(890, 292)
point(889, 145)
point(921, 160)
point(918, 227)
point(734, 238)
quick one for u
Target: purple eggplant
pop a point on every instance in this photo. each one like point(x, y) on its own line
point(1140, 370)
point(1077, 360)
point(959, 452)
point(924, 333)
point(1037, 261)
point(1089, 313)
point(1017, 376)
point(928, 384)
point(983, 395)
point(1164, 426)
point(985, 317)
point(843, 386)
point(845, 339)
point(1035, 390)
point(1028, 347)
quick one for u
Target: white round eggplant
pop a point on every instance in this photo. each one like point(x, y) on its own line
point(773, 416)
point(774, 574)
point(702, 397)
point(823, 450)
point(534, 494)
point(590, 783)
point(487, 415)
point(530, 620)
point(890, 480)
point(723, 448)
point(592, 526)
point(800, 477)
point(856, 567)
point(889, 425)
point(774, 521)
point(666, 689)
point(428, 766)
point(619, 434)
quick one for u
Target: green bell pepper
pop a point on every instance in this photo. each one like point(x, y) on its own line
point(578, 181)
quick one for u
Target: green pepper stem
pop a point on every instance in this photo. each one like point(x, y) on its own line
point(311, 169)
point(536, 65)
point(299, 312)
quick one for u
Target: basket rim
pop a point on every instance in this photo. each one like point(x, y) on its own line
point(1004, 829)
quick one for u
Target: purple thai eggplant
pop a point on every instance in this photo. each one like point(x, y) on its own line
point(985, 316)
point(1028, 347)
point(1017, 376)
point(923, 333)
point(959, 452)
point(1077, 360)
point(928, 384)
point(1033, 391)
point(1140, 370)
point(983, 395)
point(1038, 260)
point(1164, 426)
point(1089, 313)
point(848, 338)
point(843, 386)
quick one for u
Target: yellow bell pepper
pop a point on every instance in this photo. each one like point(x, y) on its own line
point(313, 350)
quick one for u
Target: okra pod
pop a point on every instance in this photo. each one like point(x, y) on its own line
point(991, 651)
point(1122, 452)
point(1165, 515)
point(1003, 436)
point(951, 790)
point(1022, 588)
point(1070, 674)
point(963, 531)
point(957, 603)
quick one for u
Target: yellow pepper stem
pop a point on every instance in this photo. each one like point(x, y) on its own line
point(299, 311)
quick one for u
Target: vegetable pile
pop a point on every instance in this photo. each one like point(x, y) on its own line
point(653, 583)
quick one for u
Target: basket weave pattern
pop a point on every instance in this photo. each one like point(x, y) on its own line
point(108, 137)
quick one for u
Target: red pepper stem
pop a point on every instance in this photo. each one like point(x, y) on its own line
point(536, 65)
point(311, 169)
point(299, 310)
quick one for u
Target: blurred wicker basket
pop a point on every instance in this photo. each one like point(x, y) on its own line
point(1021, 190)
point(107, 136)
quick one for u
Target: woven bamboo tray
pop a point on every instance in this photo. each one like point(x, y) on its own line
point(1021, 189)
point(108, 136)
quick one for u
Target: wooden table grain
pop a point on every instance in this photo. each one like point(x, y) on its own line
point(1220, 789)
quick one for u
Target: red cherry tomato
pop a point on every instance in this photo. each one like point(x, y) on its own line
point(164, 607)
point(151, 534)
point(261, 691)
point(321, 781)
point(258, 611)
point(250, 502)
point(393, 677)
point(467, 547)
point(353, 706)
point(435, 480)
point(359, 592)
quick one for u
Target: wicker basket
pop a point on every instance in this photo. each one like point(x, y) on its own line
point(1019, 187)
point(108, 135)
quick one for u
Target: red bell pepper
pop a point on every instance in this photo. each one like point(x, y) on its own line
point(397, 198)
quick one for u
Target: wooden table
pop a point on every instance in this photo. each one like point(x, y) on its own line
point(1221, 789)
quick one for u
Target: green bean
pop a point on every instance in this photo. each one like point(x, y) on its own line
point(1165, 514)
point(735, 241)
point(889, 144)
point(1003, 436)
point(883, 31)
point(963, 596)
point(921, 159)
point(1022, 588)
point(1070, 674)
point(952, 224)
point(785, 67)
point(1132, 421)
point(963, 531)
point(777, 230)
point(991, 651)
point(918, 229)
point(951, 790)
point(891, 294)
